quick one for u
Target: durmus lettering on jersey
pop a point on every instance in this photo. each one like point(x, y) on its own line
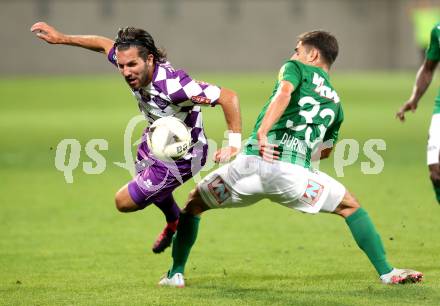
point(294, 144)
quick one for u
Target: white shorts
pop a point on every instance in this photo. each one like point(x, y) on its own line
point(434, 140)
point(249, 179)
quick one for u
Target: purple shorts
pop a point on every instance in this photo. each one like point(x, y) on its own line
point(156, 179)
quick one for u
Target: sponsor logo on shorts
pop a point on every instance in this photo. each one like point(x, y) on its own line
point(200, 100)
point(218, 188)
point(313, 193)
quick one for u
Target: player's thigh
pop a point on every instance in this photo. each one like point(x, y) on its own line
point(306, 190)
point(236, 184)
point(155, 183)
point(123, 200)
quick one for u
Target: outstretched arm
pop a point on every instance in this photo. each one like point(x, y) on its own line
point(423, 79)
point(229, 102)
point(92, 42)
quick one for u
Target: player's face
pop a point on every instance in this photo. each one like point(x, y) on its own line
point(303, 54)
point(136, 71)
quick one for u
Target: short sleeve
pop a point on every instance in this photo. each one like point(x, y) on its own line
point(291, 72)
point(112, 56)
point(433, 51)
point(184, 88)
point(332, 132)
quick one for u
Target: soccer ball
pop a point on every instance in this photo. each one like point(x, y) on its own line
point(169, 138)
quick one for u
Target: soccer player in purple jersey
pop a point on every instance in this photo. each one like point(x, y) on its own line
point(160, 91)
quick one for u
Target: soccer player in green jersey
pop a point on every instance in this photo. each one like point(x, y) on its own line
point(303, 112)
point(423, 79)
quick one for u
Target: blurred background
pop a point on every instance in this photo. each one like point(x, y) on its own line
point(214, 35)
point(66, 244)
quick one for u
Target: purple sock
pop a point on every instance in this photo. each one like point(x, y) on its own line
point(169, 208)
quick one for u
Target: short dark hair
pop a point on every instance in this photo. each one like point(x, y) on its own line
point(133, 37)
point(325, 42)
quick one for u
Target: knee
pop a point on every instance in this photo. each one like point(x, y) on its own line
point(348, 206)
point(122, 203)
point(195, 205)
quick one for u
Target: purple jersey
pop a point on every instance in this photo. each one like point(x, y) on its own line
point(174, 93)
point(170, 93)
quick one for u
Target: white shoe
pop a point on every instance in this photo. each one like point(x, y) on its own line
point(175, 281)
point(401, 276)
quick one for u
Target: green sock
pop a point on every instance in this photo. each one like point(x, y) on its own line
point(437, 193)
point(184, 239)
point(368, 240)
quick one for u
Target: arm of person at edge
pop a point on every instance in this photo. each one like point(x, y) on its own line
point(274, 112)
point(92, 42)
point(423, 79)
point(228, 100)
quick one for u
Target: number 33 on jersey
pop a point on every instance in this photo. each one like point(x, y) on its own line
point(314, 114)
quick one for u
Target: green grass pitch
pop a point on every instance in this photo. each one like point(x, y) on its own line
point(65, 244)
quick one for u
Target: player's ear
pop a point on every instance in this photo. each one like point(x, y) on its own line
point(313, 55)
point(150, 59)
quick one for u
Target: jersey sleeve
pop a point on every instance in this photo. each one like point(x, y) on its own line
point(291, 72)
point(112, 56)
point(184, 88)
point(433, 51)
point(332, 132)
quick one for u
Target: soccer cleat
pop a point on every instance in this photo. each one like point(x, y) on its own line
point(401, 276)
point(175, 281)
point(164, 239)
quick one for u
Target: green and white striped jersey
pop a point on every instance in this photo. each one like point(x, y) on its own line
point(314, 115)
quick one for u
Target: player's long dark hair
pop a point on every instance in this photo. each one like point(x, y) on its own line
point(129, 36)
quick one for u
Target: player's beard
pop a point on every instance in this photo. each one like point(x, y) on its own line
point(139, 81)
point(143, 78)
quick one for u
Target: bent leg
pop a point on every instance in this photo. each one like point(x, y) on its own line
point(219, 189)
point(364, 232)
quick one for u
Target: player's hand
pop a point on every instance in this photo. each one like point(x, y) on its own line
point(267, 150)
point(47, 33)
point(224, 155)
point(408, 106)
